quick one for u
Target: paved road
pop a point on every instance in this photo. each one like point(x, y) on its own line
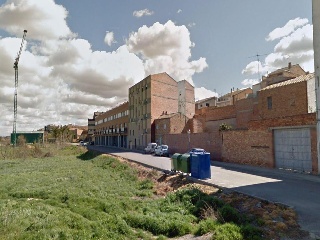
point(300, 191)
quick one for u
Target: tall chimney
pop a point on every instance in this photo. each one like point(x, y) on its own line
point(289, 65)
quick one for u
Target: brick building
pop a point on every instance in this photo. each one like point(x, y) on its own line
point(152, 97)
point(174, 123)
point(277, 128)
point(111, 127)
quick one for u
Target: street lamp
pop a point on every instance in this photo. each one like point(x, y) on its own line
point(189, 138)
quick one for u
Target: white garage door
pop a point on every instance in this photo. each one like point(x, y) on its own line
point(293, 149)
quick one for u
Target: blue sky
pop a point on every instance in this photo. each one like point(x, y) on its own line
point(81, 56)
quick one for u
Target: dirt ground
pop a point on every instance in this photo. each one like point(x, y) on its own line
point(278, 222)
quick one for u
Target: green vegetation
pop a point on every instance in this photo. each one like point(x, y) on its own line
point(67, 192)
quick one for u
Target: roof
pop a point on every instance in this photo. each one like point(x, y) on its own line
point(284, 69)
point(205, 99)
point(301, 78)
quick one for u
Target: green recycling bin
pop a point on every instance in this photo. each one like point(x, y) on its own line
point(175, 161)
point(185, 163)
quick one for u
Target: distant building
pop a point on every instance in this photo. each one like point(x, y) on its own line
point(152, 97)
point(233, 96)
point(111, 127)
point(92, 125)
point(207, 102)
point(280, 75)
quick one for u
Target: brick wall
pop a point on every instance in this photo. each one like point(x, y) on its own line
point(244, 110)
point(219, 113)
point(248, 147)
point(287, 100)
point(164, 95)
point(179, 143)
point(298, 120)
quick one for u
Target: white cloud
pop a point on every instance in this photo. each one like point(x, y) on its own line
point(202, 93)
point(295, 45)
point(35, 16)
point(166, 48)
point(144, 12)
point(254, 67)
point(109, 38)
point(63, 80)
point(179, 11)
point(191, 24)
point(286, 29)
point(249, 82)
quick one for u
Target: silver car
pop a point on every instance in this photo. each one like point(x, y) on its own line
point(162, 150)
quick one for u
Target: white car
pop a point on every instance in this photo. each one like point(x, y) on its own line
point(150, 148)
point(162, 150)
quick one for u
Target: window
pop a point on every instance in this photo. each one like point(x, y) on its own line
point(164, 126)
point(207, 104)
point(269, 101)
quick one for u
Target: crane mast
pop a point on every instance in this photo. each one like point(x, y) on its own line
point(15, 100)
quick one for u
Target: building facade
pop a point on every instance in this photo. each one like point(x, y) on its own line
point(207, 102)
point(152, 97)
point(92, 125)
point(111, 127)
point(232, 97)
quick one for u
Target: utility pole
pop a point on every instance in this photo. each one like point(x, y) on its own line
point(316, 47)
point(15, 100)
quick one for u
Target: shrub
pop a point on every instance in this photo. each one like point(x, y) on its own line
point(228, 231)
point(205, 226)
point(229, 214)
point(251, 232)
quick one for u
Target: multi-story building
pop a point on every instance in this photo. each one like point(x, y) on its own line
point(111, 127)
point(92, 125)
point(152, 97)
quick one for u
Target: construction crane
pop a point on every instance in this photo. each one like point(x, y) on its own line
point(15, 100)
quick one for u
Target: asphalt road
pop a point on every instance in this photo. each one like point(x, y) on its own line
point(299, 191)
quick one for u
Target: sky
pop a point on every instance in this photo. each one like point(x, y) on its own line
point(82, 56)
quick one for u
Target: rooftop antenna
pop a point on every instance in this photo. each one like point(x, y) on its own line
point(15, 101)
point(258, 60)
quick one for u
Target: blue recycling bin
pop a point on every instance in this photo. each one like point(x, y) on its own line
point(200, 165)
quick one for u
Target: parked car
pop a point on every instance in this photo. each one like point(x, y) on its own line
point(197, 150)
point(162, 150)
point(82, 143)
point(150, 148)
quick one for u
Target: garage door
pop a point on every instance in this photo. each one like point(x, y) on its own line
point(293, 149)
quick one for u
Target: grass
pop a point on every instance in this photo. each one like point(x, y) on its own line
point(68, 193)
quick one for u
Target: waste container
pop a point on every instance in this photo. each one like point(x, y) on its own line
point(200, 165)
point(185, 163)
point(175, 161)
